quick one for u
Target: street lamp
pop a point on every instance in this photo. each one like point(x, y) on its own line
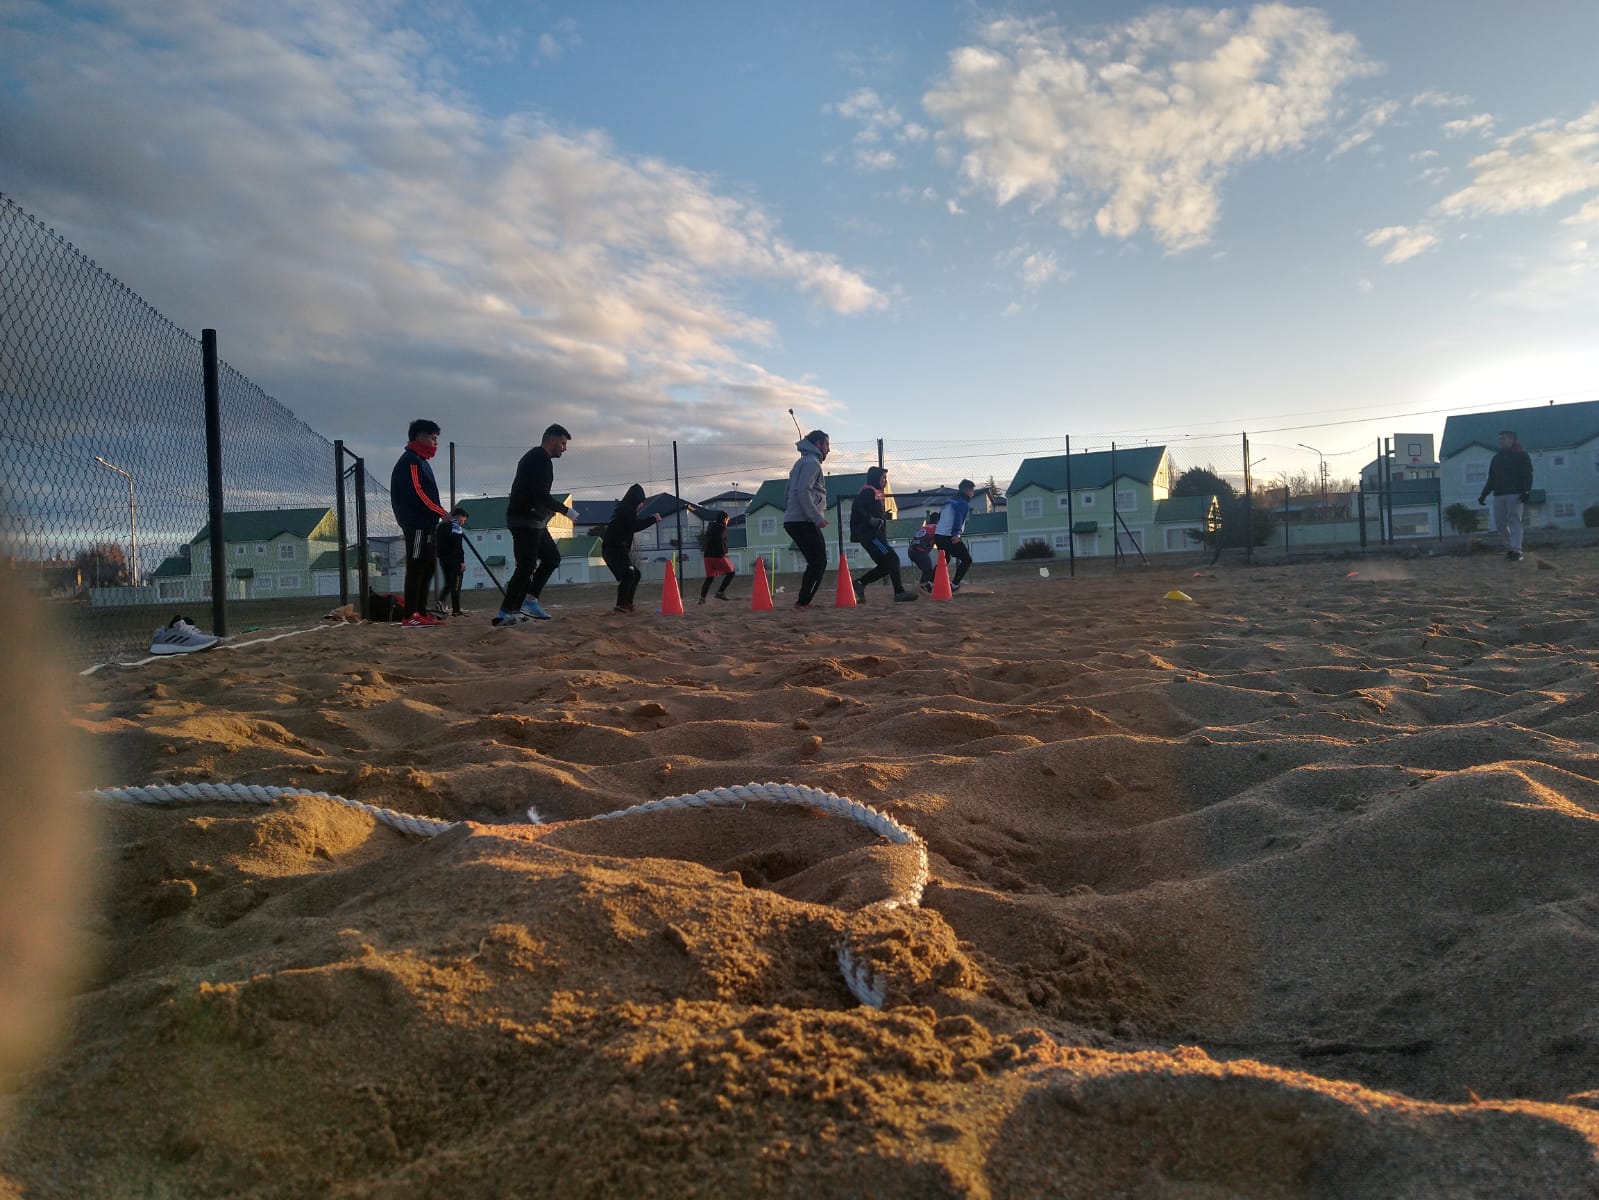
point(1323, 459)
point(133, 528)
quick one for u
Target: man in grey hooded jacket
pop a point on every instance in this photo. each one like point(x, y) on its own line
point(805, 511)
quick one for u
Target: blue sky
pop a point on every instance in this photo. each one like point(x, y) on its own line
point(923, 222)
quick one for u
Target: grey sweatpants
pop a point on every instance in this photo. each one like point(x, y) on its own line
point(1507, 520)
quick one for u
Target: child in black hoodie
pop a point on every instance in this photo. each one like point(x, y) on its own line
point(616, 547)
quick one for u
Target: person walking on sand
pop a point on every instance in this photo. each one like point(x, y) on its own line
point(1510, 484)
point(805, 511)
point(616, 547)
point(716, 560)
point(452, 559)
point(951, 523)
point(528, 514)
point(921, 549)
point(414, 496)
point(868, 527)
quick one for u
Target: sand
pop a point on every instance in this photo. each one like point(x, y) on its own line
point(1288, 891)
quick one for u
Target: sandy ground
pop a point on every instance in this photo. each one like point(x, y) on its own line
point(1288, 891)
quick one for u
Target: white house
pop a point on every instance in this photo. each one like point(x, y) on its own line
point(1563, 441)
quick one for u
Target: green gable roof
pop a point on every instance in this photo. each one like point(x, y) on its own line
point(266, 524)
point(328, 560)
point(1090, 470)
point(1189, 510)
point(583, 546)
point(774, 492)
point(1550, 427)
point(172, 567)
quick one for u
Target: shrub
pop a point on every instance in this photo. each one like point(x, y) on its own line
point(1463, 518)
point(1035, 548)
point(1590, 516)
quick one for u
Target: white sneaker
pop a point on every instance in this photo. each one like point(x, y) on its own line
point(180, 637)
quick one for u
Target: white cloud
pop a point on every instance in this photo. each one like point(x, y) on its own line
point(880, 123)
point(1010, 310)
point(953, 207)
point(1363, 284)
point(1366, 127)
point(1532, 168)
point(1403, 242)
point(1433, 176)
point(1139, 124)
point(1566, 276)
point(1037, 269)
point(367, 241)
point(1588, 214)
point(1480, 123)
point(554, 44)
point(1433, 98)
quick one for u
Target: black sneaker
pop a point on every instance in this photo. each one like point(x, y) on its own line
point(1515, 556)
point(928, 588)
point(860, 591)
point(903, 597)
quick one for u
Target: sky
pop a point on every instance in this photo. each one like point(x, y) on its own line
point(969, 230)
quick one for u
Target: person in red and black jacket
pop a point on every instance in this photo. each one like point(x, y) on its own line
point(414, 493)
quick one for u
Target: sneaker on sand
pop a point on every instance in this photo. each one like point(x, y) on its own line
point(503, 618)
point(928, 588)
point(178, 636)
point(419, 621)
point(904, 597)
point(723, 596)
point(535, 610)
point(860, 591)
point(1515, 556)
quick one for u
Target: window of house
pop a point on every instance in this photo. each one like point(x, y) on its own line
point(260, 549)
point(1564, 508)
point(1086, 499)
point(1063, 501)
point(286, 551)
point(1183, 539)
point(289, 583)
point(263, 583)
point(1063, 541)
point(1126, 499)
point(169, 589)
point(1477, 472)
point(1557, 460)
point(1032, 508)
point(499, 537)
point(768, 526)
point(240, 551)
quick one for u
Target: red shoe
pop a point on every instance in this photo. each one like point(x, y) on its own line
point(418, 621)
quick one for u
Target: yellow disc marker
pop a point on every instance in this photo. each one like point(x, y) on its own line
point(1176, 595)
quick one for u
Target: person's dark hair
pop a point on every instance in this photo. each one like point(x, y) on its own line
point(420, 426)
point(932, 514)
point(555, 431)
point(1509, 433)
point(876, 476)
point(964, 484)
point(816, 437)
point(458, 511)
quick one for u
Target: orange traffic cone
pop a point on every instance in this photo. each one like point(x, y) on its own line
point(760, 594)
point(941, 588)
point(671, 598)
point(844, 594)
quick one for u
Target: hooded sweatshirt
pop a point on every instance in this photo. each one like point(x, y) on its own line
point(807, 489)
point(953, 517)
point(1509, 474)
point(868, 516)
point(413, 492)
point(624, 523)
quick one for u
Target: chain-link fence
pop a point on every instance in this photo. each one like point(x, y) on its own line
point(104, 469)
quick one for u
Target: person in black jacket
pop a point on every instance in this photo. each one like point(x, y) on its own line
point(1510, 484)
point(616, 547)
point(414, 495)
point(716, 560)
point(868, 526)
point(451, 542)
point(528, 514)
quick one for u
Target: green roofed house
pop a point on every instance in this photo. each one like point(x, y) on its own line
point(1096, 500)
point(763, 521)
point(490, 536)
point(1563, 440)
point(268, 554)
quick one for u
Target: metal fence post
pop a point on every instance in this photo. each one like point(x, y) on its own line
point(360, 538)
point(213, 480)
point(1115, 532)
point(677, 494)
point(344, 535)
point(1249, 506)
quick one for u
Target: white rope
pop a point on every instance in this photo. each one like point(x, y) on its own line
point(865, 984)
point(225, 644)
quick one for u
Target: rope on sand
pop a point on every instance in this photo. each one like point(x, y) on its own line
point(225, 644)
point(865, 984)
